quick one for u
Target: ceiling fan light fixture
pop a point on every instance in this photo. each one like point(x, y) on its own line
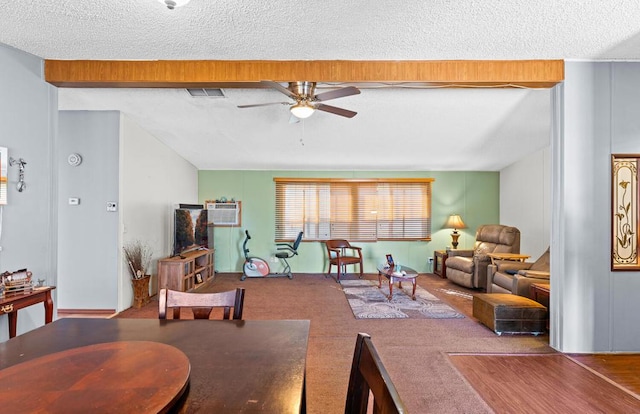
point(302, 110)
point(172, 4)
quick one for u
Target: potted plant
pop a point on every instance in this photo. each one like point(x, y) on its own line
point(138, 258)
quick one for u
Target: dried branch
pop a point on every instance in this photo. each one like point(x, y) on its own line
point(138, 257)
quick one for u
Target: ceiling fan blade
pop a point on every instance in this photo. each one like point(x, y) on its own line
point(264, 104)
point(334, 110)
point(280, 88)
point(337, 93)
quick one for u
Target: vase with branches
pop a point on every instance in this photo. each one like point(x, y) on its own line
point(138, 257)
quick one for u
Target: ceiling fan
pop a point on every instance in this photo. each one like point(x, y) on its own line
point(306, 100)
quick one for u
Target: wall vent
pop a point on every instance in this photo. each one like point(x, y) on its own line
point(207, 93)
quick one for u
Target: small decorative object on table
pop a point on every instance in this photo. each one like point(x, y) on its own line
point(454, 222)
point(390, 262)
point(18, 281)
point(138, 258)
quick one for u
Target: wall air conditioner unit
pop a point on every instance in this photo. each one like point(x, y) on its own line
point(225, 214)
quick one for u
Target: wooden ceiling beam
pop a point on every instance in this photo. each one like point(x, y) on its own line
point(246, 73)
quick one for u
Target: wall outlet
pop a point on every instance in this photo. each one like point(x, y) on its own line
point(430, 260)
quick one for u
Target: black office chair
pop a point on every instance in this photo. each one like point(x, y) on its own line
point(287, 251)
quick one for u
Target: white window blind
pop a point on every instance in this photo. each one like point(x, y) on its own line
point(357, 210)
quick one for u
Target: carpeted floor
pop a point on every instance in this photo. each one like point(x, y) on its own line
point(414, 351)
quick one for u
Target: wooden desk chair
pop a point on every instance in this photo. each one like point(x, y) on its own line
point(201, 303)
point(368, 375)
point(341, 253)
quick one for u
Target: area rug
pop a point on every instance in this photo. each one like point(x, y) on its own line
point(369, 302)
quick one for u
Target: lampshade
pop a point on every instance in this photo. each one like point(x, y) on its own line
point(172, 4)
point(302, 110)
point(454, 222)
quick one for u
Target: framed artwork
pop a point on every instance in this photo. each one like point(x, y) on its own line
point(625, 212)
point(3, 175)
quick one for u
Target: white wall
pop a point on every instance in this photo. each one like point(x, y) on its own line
point(592, 308)
point(28, 125)
point(525, 201)
point(122, 163)
point(153, 179)
point(87, 232)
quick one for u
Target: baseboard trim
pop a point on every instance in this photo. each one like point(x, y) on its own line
point(105, 312)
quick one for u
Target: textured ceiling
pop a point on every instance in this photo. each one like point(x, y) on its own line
point(396, 128)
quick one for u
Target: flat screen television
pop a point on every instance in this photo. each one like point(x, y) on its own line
point(191, 229)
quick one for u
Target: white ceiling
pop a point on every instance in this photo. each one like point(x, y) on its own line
point(395, 129)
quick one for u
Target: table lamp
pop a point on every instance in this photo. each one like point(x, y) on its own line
point(455, 222)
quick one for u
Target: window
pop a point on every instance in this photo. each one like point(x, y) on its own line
point(353, 209)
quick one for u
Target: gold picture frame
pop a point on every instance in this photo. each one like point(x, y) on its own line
point(624, 212)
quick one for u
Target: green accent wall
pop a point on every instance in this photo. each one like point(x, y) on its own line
point(473, 195)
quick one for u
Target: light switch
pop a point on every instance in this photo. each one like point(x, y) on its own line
point(74, 201)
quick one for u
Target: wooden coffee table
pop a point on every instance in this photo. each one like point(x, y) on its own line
point(407, 275)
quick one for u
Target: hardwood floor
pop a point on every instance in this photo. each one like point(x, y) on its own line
point(623, 369)
point(551, 383)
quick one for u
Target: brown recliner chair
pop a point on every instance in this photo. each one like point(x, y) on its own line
point(516, 277)
point(469, 267)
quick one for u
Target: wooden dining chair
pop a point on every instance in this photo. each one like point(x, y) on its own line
point(368, 376)
point(341, 253)
point(201, 303)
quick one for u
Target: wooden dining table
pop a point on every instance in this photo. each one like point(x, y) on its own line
point(236, 366)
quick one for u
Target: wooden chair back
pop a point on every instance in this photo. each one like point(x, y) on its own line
point(342, 251)
point(368, 375)
point(338, 244)
point(201, 303)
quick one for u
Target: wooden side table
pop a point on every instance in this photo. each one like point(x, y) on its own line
point(540, 292)
point(440, 263)
point(10, 303)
